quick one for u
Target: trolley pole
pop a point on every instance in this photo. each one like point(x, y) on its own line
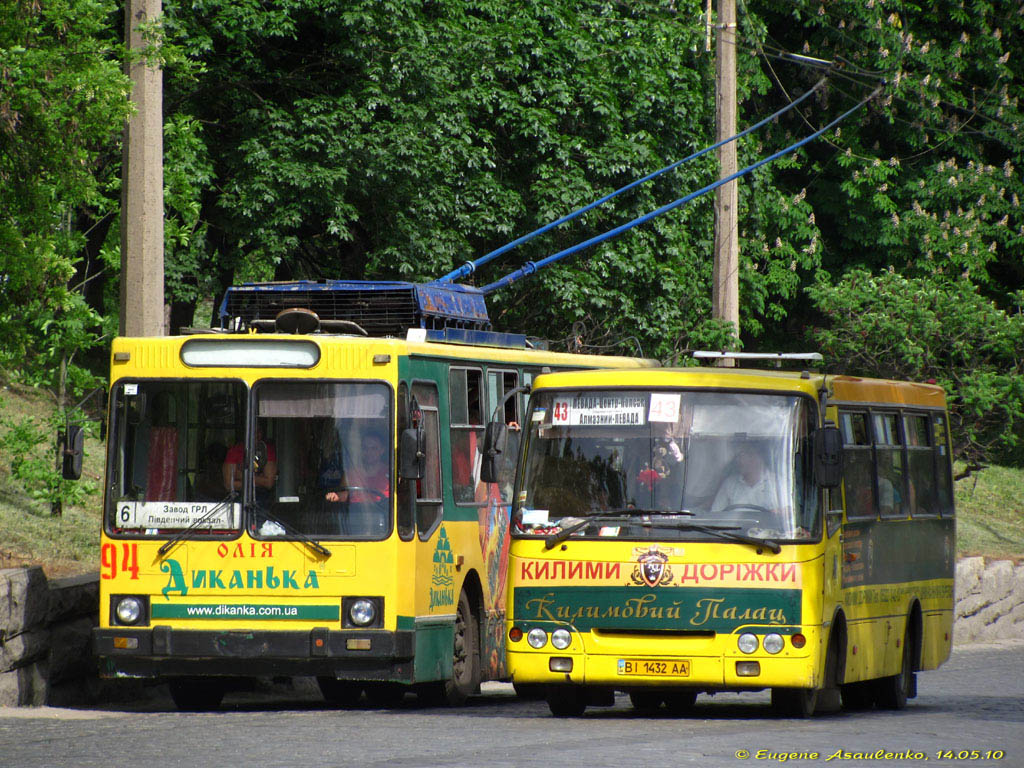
point(142, 184)
point(725, 290)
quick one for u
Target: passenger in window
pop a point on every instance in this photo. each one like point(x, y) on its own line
point(890, 500)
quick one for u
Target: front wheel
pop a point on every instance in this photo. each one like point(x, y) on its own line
point(566, 700)
point(795, 702)
point(197, 694)
point(465, 677)
point(340, 693)
point(893, 692)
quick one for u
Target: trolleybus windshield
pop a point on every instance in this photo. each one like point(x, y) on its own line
point(291, 459)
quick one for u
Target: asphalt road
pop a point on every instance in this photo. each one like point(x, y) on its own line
point(974, 703)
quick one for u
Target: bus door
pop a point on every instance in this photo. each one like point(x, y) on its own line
point(429, 570)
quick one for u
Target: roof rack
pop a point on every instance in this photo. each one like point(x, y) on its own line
point(777, 357)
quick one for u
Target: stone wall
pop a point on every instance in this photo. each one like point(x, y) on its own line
point(989, 600)
point(45, 627)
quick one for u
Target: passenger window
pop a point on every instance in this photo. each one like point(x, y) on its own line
point(428, 490)
point(892, 491)
point(467, 431)
point(920, 465)
point(858, 466)
point(943, 468)
point(499, 384)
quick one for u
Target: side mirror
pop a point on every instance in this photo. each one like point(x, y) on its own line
point(495, 437)
point(74, 445)
point(828, 457)
point(412, 458)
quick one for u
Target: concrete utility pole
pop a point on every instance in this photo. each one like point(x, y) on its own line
point(142, 187)
point(725, 292)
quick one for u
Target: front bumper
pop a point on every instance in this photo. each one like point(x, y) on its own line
point(375, 655)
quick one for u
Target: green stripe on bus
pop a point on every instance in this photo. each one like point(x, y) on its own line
point(246, 611)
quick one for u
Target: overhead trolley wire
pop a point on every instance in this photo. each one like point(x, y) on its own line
point(470, 266)
point(530, 267)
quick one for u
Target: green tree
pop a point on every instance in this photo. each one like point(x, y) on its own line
point(933, 329)
point(63, 100)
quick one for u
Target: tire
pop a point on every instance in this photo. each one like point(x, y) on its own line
point(465, 679)
point(646, 702)
point(680, 702)
point(566, 700)
point(197, 694)
point(858, 696)
point(384, 695)
point(529, 691)
point(340, 693)
point(795, 702)
point(892, 692)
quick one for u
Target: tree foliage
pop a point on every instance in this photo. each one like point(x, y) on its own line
point(933, 329)
point(62, 107)
point(380, 139)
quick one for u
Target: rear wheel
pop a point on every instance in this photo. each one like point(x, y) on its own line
point(566, 700)
point(197, 694)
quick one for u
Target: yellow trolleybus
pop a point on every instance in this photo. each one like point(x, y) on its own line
point(300, 494)
point(716, 529)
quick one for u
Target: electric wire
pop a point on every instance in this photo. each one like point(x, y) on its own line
point(531, 267)
point(470, 266)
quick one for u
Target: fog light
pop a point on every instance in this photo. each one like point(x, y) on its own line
point(561, 639)
point(748, 668)
point(747, 642)
point(515, 634)
point(798, 640)
point(773, 643)
point(362, 612)
point(126, 643)
point(537, 637)
point(560, 664)
point(129, 610)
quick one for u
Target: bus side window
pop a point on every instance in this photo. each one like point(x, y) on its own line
point(428, 493)
point(499, 383)
point(943, 466)
point(921, 465)
point(467, 431)
point(893, 491)
point(858, 465)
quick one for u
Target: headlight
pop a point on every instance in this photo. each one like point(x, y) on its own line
point(747, 642)
point(129, 610)
point(362, 612)
point(773, 643)
point(537, 637)
point(561, 639)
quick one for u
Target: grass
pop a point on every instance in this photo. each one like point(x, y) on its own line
point(990, 506)
point(29, 533)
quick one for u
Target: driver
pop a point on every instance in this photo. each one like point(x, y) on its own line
point(370, 479)
point(751, 485)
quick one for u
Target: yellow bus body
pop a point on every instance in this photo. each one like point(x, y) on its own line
point(239, 603)
point(864, 584)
